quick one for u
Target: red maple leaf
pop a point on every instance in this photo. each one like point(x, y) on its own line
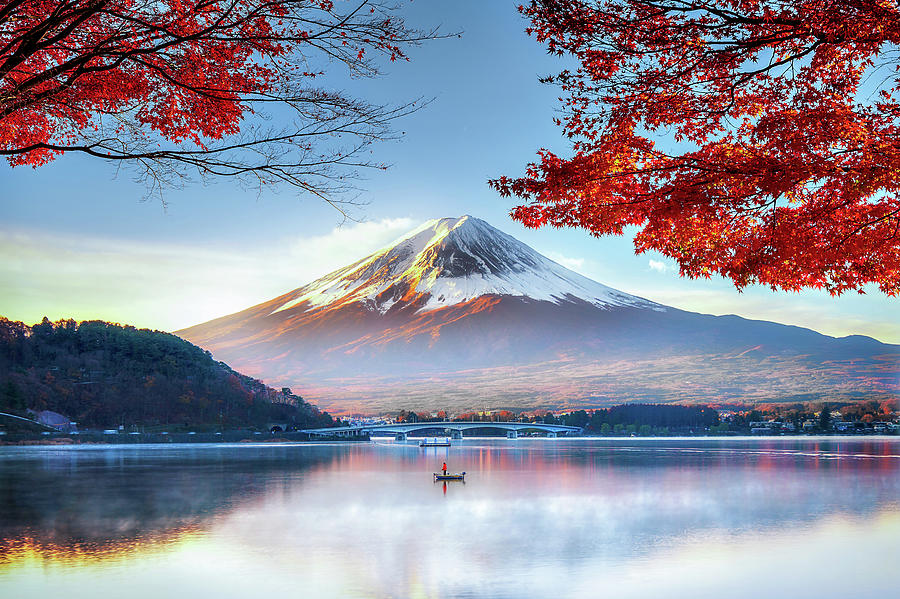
point(171, 85)
point(754, 139)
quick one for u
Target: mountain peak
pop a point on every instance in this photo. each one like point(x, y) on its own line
point(458, 314)
point(449, 261)
point(435, 232)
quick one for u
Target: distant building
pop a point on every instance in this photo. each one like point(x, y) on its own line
point(768, 427)
point(844, 427)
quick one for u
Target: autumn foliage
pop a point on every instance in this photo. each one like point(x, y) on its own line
point(755, 139)
point(179, 88)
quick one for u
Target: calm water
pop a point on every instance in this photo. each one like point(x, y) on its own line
point(535, 518)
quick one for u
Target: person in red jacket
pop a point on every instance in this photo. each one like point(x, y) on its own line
point(444, 468)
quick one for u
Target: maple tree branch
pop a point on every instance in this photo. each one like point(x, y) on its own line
point(167, 85)
point(775, 173)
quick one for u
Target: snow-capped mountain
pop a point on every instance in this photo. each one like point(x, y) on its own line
point(459, 314)
point(451, 261)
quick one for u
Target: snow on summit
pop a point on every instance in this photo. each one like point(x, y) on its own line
point(456, 314)
point(450, 261)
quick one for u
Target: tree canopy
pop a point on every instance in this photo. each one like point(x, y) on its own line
point(206, 87)
point(102, 374)
point(754, 139)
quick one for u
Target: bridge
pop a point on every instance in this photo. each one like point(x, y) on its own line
point(400, 431)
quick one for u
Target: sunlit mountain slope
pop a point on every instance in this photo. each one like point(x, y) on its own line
point(456, 314)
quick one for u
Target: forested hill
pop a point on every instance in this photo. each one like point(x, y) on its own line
point(102, 375)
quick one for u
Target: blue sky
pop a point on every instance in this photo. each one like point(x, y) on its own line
point(79, 240)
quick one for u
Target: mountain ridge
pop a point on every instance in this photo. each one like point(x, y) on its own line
point(456, 296)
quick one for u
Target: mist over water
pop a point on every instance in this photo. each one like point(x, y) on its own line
point(535, 518)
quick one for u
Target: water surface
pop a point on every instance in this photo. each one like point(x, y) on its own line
point(535, 518)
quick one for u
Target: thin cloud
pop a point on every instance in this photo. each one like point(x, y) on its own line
point(164, 285)
point(576, 264)
point(658, 266)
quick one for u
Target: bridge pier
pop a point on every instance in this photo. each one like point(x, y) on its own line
point(512, 434)
point(400, 437)
point(551, 434)
point(454, 433)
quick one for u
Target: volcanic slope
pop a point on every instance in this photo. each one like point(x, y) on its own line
point(459, 315)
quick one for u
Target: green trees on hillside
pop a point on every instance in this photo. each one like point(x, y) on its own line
point(101, 375)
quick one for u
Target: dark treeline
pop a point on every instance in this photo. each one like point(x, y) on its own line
point(626, 418)
point(642, 418)
point(103, 375)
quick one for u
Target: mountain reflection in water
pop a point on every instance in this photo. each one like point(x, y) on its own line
point(536, 518)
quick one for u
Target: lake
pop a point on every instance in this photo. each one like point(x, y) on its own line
point(727, 517)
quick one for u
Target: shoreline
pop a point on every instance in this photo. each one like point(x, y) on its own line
point(232, 437)
point(99, 438)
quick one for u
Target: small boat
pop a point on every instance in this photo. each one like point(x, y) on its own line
point(436, 442)
point(458, 476)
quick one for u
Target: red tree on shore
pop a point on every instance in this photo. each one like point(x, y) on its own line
point(781, 163)
point(179, 88)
